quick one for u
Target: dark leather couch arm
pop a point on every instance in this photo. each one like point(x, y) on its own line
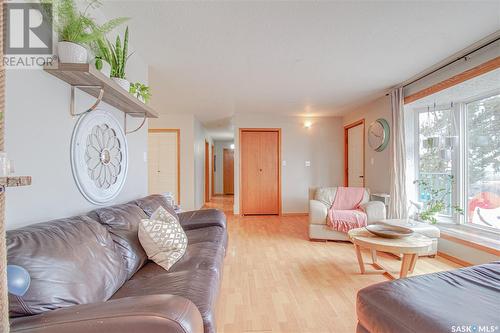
point(152, 314)
point(202, 218)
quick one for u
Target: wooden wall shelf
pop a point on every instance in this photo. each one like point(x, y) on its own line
point(14, 181)
point(87, 75)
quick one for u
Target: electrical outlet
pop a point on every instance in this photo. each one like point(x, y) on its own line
point(283, 163)
point(308, 163)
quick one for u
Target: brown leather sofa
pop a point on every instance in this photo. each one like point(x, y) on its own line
point(90, 274)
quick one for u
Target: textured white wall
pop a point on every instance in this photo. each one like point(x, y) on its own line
point(219, 160)
point(38, 135)
point(322, 145)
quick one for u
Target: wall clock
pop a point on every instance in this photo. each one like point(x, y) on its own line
point(99, 156)
point(378, 134)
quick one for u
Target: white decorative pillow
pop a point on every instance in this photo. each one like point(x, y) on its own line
point(163, 238)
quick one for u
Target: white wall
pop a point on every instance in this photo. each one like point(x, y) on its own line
point(219, 160)
point(322, 145)
point(377, 164)
point(200, 136)
point(37, 138)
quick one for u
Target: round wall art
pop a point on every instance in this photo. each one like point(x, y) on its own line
point(99, 156)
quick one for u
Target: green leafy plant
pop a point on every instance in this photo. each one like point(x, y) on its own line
point(101, 52)
point(140, 90)
point(116, 54)
point(437, 201)
point(75, 26)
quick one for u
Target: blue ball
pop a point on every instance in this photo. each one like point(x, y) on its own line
point(18, 280)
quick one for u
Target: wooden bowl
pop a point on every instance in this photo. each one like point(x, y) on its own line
point(389, 231)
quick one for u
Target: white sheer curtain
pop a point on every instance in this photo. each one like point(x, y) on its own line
point(398, 205)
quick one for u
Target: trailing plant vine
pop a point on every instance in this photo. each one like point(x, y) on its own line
point(140, 90)
point(437, 201)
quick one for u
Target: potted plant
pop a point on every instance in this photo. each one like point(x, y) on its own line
point(102, 56)
point(140, 91)
point(118, 56)
point(76, 29)
point(436, 201)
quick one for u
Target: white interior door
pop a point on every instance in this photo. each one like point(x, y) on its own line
point(162, 163)
point(355, 160)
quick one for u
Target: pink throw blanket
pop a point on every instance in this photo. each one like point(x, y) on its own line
point(345, 213)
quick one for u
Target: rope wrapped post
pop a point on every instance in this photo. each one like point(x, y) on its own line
point(4, 300)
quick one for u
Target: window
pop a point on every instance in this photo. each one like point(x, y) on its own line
point(453, 154)
point(436, 166)
point(458, 157)
point(482, 130)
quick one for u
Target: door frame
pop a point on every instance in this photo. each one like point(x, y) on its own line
point(346, 150)
point(240, 188)
point(207, 172)
point(178, 131)
point(223, 168)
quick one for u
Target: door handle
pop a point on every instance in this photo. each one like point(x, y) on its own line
point(260, 170)
point(361, 176)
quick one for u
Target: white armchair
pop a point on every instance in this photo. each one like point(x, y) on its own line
point(321, 199)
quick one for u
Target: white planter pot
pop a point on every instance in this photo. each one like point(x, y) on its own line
point(71, 53)
point(122, 83)
point(106, 68)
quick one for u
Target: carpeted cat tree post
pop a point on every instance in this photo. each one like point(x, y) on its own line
point(4, 304)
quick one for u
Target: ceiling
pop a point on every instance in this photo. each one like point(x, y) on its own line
point(213, 59)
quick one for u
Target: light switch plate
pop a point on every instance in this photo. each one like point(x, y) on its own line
point(145, 156)
point(308, 163)
point(283, 163)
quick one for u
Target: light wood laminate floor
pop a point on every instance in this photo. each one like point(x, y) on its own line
point(276, 280)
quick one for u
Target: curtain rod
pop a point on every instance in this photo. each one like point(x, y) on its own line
point(454, 61)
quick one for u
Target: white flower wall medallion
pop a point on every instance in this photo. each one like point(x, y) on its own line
point(99, 156)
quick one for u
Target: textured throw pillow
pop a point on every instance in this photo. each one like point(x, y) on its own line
point(163, 238)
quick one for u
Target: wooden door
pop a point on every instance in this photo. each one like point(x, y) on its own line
point(163, 162)
point(355, 165)
point(260, 172)
point(228, 171)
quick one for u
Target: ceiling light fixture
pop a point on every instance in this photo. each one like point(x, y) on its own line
point(307, 124)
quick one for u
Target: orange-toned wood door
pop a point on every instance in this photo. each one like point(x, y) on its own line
point(228, 171)
point(260, 172)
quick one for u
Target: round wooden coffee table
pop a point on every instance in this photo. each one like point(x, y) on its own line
point(410, 247)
